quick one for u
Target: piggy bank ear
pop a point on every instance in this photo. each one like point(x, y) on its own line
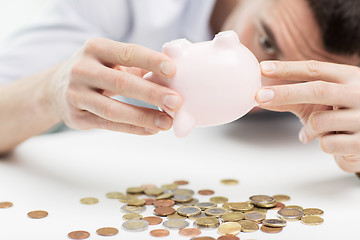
point(226, 39)
point(175, 48)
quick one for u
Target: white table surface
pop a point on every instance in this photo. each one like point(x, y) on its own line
point(53, 172)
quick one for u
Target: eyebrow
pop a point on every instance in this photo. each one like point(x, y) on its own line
point(269, 33)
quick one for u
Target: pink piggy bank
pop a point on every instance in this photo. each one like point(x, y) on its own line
point(217, 81)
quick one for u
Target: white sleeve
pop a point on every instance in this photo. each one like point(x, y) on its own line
point(60, 32)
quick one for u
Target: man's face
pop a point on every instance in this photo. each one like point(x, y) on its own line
point(281, 30)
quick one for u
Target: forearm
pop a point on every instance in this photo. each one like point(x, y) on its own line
point(25, 110)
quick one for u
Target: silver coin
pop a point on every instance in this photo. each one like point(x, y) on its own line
point(188, 211)
point(274, 223)
point(202, 214)
point(205, 205)
point(215, 211)
point(175, 224)
point(182, 198)
point(182, 191)
point(135, 225)
point(133, 209)
point(192, 203)
point(263, 201)
point(290, 214)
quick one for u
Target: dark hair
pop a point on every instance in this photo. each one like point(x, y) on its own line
point(339, 21)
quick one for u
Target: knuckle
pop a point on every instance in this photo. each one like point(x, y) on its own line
point(108, 110)
point(143, 119)
point(78, 69)
point(91, 45)
point(313, 69)
point(122, 82)
point(152, 95)
point(286, 95)
point(320, 90)
point(285, 71)
point(126, 54)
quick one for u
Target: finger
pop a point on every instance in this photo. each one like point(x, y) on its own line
point(348, 163)
point(324, 93)
point(120, 112)
point(113, 53)
point(309, 71)
point(321, 123)
point(128, 85)
point(341, 144)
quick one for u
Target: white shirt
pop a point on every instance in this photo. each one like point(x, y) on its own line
point(69, 23)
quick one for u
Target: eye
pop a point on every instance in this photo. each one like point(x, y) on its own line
point(267, 45)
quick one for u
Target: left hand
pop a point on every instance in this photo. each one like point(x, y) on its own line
point(326, 98)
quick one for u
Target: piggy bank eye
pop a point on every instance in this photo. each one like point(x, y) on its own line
point(267, 46)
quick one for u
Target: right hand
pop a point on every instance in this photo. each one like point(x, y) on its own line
point(81, 88)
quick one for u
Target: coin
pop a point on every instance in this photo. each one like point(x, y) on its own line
point(133, 209)
point(164, 203)
point(229, 228)
point(136, 202)
point(228, 237)
point(263, 201)
point(175, 224)
point(255, 216)
point(170, 187)
point(182, 198)
point(232, 216)
point(229, 181)
point(107, 231)
point(248, 226)
point(175, 216)
point(312, 220)
point(37, 214)
point(188, 211)
point(135, 225)
point(114, 195)
point(181, 182)
point(219, 200)
point(126, 198)
point(89, 200)
point(164, 211)
point(149, 201)
point(281, 198)
point(313, 212)
point(241, 206)
point(294, 207)
point(152, 220)
point(290, 214)
point(183, 191)
point(153, 191)
point(78, 235)
point(205, 205)
point(193, 218)
point(271, 229)
point(164, 196)
point(202, 238)
point(135, 190)
point(261, 210)
point(191, 203)
point(274, 223)
point(206, 192)
point(215, 211)
point(148, 186)
point(159, 233)
point(132, 216)
point(207, 222)
point(190, 232)
point(5, 204)
point(278, 206)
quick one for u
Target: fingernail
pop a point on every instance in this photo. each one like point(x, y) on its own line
point(302, 136)
point(163, 122)
point(171, 101)
point(152, 131)
point(265, 95)
point(267, 67)
point(167, 68)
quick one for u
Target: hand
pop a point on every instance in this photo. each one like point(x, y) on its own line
point(81, 87)
point(326, 98)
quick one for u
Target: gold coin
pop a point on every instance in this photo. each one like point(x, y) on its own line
point(136, 202)
point(313, 212)
point(153, 191)
point(263, 201)
point(229, 181)
point(261, 210)
point(175, 216)
point(170, 187)
point(175, 224)
point(164, 196)
point(133, 209)
point(294, 207)
point(281, 198)
point(115, 195)
point(233, 216)
point(290, 214)
point(226, 205)
point(248, 226)
point(193, 218)
point(126, 198)
point(183, 192)
point(132, 216)
point(5, 204)
point(219, 200)
point(38, 214)
point(135, 190)
point(229, 228)
point(207, 222)
point(107, 231)
point(241, 206)
point(215, 211)
point(266, 229)
point(255, 216)
point(274, 223)
point(135, 225)
point(89, 200)
point(79, 235)
point(312, 220)
point(189, 211)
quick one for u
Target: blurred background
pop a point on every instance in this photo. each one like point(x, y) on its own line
point(16, 13)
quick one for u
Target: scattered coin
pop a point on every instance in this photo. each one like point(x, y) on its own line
point(193, 218)
point(153, 191)
point(175, 216)
point(175, 224)
point(183, 191)
point(170, 187)
point(215, 211)
point(290, 214)
point(126, 198)
point(115, 195)
point(281, 198)
point(313, 212)
point(152, 220)
point(271, 229)
point(132, 216)
point(135, 190)
point(219, 200)
point(149, 201)
point(207, 222)
point(136, 202)
point(164, 211)
point(188, 211)
point(182, 198)
point(206, 192)
point(107, 231)
point(133, 209)
point(229, 181)
point(278, 206)
point(78, 235)
point(255, 216)
point(135, 225)
point(294, 207)
point(164, 203)
point(190, 232)
point(262, 210)
point(148, 186)
point(228, 237)
point(312, 220)
point(5, 204)
point(241, 206)
point(38, 214)
point(89, 200)
point(159, 233)
point(248, 226)
point(274, 223)
point(203, 238)
point(263, 201)
point(233, 216)
point(229, 228)
point(191, 203)
point(164, 196)
point(205, 205)
point(181, 182)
